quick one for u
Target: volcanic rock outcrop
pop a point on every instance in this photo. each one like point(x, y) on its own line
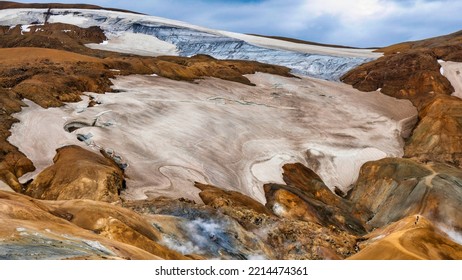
point(306, 197)
point(247, 211)
point(408, 204)
point(59, 36)
point(411, 71)
point(160, 228)
point(285, 237)
point(78, 174)
point(392, 189)
point(199, 230)
point(413, 75)
point(114, 223)
point(438, 136)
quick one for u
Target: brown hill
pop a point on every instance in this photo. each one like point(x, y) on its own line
point(58, 36)
point(413, 75)
point(15, 5)
point(78, 174)
point(411, 71)
point(412, 238)
point(26, 216)
point(393, 188)
point(438, 136)
point(447, 47)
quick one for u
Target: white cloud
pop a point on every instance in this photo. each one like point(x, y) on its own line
point(347, 10)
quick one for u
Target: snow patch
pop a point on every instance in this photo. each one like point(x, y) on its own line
point(278, 209)
point(25, 28)
point(452, 71)
point(172, 133)
point(378, 237)
point(257, 257)
point(98, 246)
point(5, 187)
point(139, 44)
point(264, 170)
point(349, 162)
point(68, 18)
point(299, 47)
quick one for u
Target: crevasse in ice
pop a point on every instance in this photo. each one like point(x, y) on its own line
point(191, 41)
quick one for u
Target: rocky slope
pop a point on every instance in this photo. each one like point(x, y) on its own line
point(412, 71)
point(306, 197)
point(412, 238)
point(16, 5)
point(233, 226)
point(77, 208)
point(78, 173)
point(429, 181)
point(34, 230)
point(438, 135)
point(392, 189)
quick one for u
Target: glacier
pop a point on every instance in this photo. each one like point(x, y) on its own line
point(191, 42)
point(227, 134)
point(319, 62)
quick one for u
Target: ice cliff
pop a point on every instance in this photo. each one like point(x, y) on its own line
point(188, 40)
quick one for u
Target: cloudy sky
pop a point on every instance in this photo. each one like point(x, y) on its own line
point(360, 23)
